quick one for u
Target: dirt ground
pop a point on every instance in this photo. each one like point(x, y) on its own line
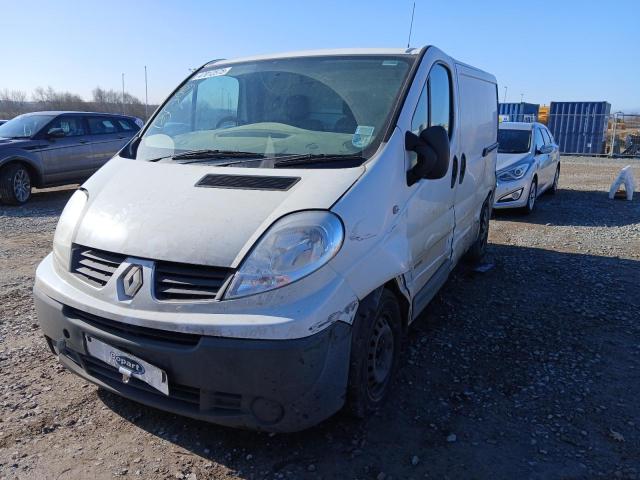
point(530, 370)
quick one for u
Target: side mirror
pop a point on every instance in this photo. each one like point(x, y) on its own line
point(543, 150)
point(55, 133)
point(432, 148)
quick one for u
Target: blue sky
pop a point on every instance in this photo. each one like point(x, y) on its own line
point(546, 50)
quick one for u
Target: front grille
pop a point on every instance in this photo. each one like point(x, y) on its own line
point(134, 332)
point(110, 375)
point(248, 182)
point(95, 267)
point(178, 281)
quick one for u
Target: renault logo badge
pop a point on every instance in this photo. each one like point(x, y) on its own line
point(132, 280)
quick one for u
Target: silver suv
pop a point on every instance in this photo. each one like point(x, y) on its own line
point(47, 149)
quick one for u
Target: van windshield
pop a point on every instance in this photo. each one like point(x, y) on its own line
point(333, 106)
point(514, 141)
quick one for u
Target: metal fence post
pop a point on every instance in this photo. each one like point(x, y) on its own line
point(613, 134)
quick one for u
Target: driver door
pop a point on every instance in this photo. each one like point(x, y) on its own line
point(430, 209)
point(67, 159)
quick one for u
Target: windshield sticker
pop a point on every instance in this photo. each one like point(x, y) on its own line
point(389, 63)
point(211, 73)
point(362, 137)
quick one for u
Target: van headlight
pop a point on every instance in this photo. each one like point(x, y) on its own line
point(293, 247)
point(66, 226)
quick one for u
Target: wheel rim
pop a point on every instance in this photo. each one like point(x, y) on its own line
point(532, 195)
point(380, 357)
point(21, 185)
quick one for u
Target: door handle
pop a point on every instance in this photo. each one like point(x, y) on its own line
point(83, 141)
point(463, 166)
point(454, 173)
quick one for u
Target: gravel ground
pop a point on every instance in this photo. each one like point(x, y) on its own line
point(530, 370)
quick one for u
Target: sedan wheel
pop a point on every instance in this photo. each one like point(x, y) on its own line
point(556, 178)
point(533, 195)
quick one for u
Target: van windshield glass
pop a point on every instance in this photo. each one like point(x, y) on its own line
point(514, 141)
point(312, 106)
point(24, 126)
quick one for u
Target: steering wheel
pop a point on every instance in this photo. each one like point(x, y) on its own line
point(229, 119)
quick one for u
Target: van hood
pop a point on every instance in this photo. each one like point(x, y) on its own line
point(507, 159)
point(156, 211)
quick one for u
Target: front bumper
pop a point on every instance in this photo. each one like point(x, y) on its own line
point(272, 385)
point(504, 189)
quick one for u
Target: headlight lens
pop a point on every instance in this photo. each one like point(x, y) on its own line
point(292, 248)
point(66, 226)
point(514, 172)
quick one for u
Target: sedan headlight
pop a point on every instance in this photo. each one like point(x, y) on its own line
point(514, 172)
point(66, 226)
point(293, 247)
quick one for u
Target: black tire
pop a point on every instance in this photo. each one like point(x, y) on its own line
point(531, 199)
point(15, 184)
point(376, 345)
point(479, 248)
point(554, 186)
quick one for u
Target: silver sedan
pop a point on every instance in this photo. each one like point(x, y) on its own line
point(528, 165)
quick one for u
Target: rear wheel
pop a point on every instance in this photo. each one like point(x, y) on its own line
point(15, 184)
point(533, 195)
point(375, 352)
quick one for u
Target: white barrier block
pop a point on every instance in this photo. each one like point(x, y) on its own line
point(625, 177)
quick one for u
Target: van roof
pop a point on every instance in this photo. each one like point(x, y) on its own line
point(352, 51)
point(321, 53)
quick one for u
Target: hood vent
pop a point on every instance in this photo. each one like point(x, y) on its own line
point(248, 182)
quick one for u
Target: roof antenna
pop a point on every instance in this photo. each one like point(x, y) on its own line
point(411, 24)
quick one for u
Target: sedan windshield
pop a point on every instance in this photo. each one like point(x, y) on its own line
point(514, 141)
point(24, 126)
point(315, 107)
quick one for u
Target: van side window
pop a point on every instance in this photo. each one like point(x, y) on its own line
point(420, 119)
point(440, 97)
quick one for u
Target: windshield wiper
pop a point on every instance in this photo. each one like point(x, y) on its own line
point(208, 154)
point(316, 158)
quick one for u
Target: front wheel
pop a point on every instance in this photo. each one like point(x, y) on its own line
point(375, 352)
point(15, 184)
point(556, 178)
point(533, 195)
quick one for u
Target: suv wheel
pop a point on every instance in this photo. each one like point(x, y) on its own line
point(375, 352)
point(15, 184)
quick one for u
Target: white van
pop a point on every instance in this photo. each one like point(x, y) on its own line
point(255, 255)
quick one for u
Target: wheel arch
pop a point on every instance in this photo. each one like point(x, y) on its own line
point(32, 167)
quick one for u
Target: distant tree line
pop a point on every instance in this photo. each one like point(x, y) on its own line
point(17, 102)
